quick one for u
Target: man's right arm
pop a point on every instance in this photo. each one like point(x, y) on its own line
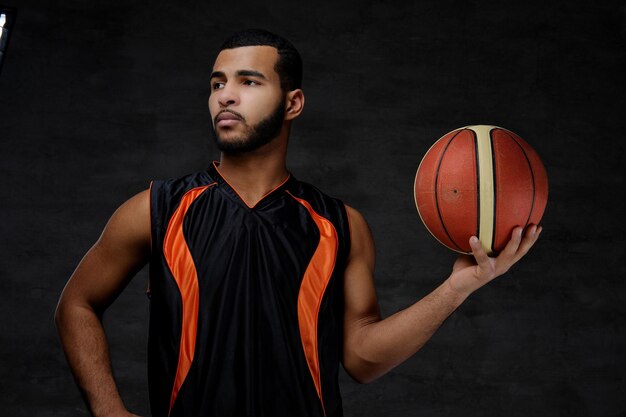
point(120, 252)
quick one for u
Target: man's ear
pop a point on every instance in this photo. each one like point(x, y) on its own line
point(294, 103)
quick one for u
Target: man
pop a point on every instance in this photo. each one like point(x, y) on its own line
point(260, 284)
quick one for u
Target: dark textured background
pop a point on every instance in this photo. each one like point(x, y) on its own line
point(97, 98)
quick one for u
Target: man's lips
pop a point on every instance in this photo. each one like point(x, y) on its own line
point(227, 118)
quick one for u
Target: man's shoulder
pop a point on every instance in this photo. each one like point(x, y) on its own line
point(307, 189)
point(323, 203)
point(181, 184)
point(167, 194)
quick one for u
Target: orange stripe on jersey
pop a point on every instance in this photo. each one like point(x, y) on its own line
point(312, 289)
point(183, 269)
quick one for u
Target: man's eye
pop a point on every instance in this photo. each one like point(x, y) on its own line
point(250, 82)
point(217, 86)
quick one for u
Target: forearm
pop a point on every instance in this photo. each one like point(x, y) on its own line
point(86, 349)
point(380, 346)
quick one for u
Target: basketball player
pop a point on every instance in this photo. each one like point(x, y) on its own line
point(260, 285)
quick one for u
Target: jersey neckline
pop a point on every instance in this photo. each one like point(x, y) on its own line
point(214, 172)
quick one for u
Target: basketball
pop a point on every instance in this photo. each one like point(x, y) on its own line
point(480, 180)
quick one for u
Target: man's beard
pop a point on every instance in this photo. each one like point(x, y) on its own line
point(255, 136)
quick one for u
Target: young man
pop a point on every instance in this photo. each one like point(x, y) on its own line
point(260, 284)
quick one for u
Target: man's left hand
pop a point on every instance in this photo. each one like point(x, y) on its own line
point(469, 273)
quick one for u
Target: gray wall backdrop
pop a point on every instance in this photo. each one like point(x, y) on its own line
point(97, 98)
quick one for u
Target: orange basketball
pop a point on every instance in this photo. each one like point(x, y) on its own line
point(483, 181)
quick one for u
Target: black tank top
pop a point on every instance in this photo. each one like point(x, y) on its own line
point(246, 303)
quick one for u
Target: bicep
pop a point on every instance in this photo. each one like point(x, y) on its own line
point(360, 300)
point(121, 251)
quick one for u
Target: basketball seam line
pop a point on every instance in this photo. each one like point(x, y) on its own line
point(532, 175)
point(437, 195)
point(495, 191)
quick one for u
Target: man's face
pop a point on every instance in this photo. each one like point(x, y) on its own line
point(247, 105)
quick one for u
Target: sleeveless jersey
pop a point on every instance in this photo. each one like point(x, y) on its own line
point(246, 303)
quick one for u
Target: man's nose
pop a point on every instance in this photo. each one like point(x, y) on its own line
point(228, 96)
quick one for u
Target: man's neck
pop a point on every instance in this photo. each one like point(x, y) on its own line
point(254, 175)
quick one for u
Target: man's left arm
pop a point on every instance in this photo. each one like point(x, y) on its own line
point(373, 346)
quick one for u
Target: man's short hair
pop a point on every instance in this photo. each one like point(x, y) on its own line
point(289, 64)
